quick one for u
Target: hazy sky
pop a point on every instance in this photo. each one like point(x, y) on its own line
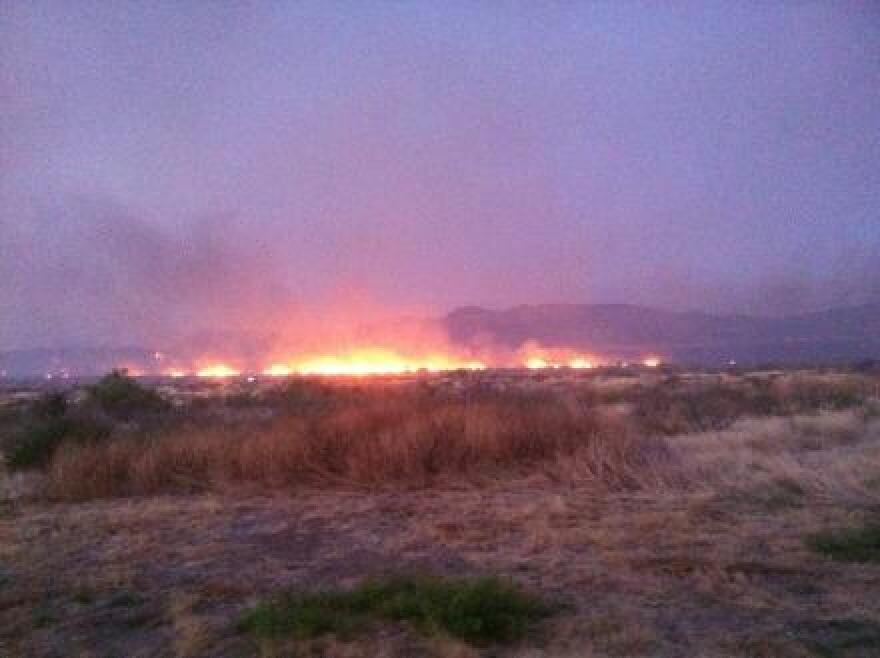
point(166, 166)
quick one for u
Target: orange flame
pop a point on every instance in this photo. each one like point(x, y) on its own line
point(536, 363)
point(278, 370)
point(370, 361)
point(380, 360)
point(218, 370)
point(535, 357)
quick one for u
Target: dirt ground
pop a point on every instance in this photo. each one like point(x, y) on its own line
point(666, 573)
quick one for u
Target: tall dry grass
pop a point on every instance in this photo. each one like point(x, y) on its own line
point(719, 432)
point(380, 442)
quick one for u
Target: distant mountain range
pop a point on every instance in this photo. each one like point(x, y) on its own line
point(628, 331)
point(612, 330)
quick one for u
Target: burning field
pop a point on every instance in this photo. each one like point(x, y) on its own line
point(454, 329)
point(362, 361)
point(548, 512)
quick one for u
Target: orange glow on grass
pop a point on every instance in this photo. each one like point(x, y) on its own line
point(651, 362)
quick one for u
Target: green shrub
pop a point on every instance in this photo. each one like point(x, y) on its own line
point(859, 544)
point(122, 397)
point(832, 638)
point(48, 423)
point(481, 611)
point(50, 405)
point(34, 445)
point(36, 442)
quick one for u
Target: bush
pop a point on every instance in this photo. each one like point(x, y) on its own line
point(859, 544)
point(37, 441)
point(49, 406)
point(34, 445)
point(481, 611)
point(121, 397)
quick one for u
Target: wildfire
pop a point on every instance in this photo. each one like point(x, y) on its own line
point(536, 363)
point(217, 370)
point(535, 357)
point(368, 361)
point(278, 370)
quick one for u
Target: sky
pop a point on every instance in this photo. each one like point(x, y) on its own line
point(169, 167)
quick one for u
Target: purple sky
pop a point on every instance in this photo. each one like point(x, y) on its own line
point(166, 166)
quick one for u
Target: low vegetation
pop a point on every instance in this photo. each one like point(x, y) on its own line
point(480, 611)
point(49, 423)
point(374, 443)
point(678, 407)
point(123, 398)
point(674, 513)
point(52, 420)
point(853, 544)
point(125, 439)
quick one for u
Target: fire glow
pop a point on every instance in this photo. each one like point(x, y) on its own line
point(370, 361)
point(535, 357)
point(218, 370)
point(364, 362)
point(576, 363)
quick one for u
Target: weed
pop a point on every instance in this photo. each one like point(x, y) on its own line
point(858, 544)
point(42, 616)
point(838, 637)
point(482, 611)
point(126, 599)
point(83, 596)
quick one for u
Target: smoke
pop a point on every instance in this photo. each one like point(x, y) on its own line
point(92, 271)
point(216, 176)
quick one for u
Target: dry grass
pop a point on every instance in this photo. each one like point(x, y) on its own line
point(712, 563)
point(603, 433)
point(192, 635)
point(697, 543)
point(832, 456)
point(375, 445)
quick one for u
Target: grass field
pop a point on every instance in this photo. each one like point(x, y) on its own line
point(662, 514)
